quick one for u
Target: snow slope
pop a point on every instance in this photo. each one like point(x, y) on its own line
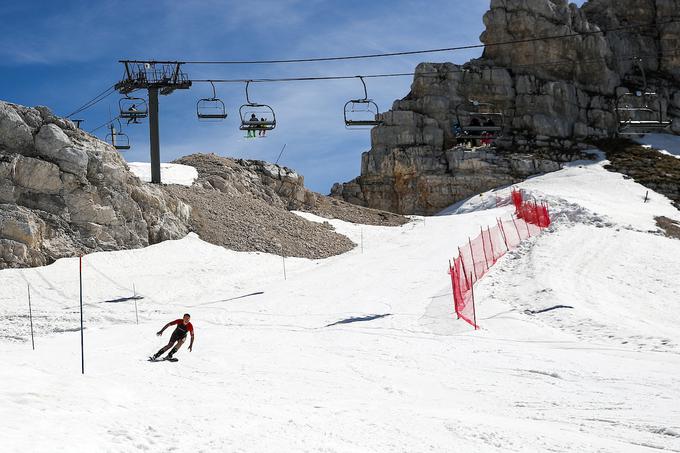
point(361, 352)
point(184, 175)
point(665, 143)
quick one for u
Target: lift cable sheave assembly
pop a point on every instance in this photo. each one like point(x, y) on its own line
point(156, 77)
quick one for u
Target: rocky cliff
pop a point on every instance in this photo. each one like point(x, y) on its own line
point(556, 95)
point(65, 193)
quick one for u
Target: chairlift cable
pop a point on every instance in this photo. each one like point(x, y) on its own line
point(439, 50)
point(106, 92)
point(105, 124)
point(98, 98)
point(435, 73)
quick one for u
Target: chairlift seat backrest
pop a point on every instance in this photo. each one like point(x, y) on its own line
point(211, 109)
point(133, 108)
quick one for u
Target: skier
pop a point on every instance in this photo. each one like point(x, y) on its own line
point(179, 335)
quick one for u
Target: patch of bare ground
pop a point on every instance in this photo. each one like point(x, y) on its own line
point(244, 223)
point(647, 166)
point(669, 226)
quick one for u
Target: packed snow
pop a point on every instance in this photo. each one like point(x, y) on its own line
point(578, 351)
point(666, 143)
point(184, 175)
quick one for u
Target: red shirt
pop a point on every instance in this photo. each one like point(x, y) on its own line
point(183, 327)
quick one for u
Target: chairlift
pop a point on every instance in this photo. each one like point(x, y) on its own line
point(478, 120)
point(256, 117)
point(361, 113)
point(641, 111)
point(118, 139)
point(133, 109)
point(211, 108)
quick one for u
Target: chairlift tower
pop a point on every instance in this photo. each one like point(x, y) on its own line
point(156, 77)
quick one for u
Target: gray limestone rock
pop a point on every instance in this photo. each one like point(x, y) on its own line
point(15, 134)
point(556, 96)
point(63, 193)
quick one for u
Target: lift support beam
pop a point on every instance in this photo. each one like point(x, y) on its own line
point(153, 76)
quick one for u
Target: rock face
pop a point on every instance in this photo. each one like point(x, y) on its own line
point(556, 95)
point(64, 193)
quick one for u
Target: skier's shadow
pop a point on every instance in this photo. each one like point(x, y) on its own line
point(358, 319)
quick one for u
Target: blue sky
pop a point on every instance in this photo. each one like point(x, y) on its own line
point(61, 54)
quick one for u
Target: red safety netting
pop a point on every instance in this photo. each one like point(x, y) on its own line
point(477, 256)
point(531, 211)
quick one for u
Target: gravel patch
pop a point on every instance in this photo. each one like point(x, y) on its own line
point(247, 224)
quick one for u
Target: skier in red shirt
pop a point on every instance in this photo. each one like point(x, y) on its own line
point(179, 335)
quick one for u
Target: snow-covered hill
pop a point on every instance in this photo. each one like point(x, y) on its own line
point(361, 352)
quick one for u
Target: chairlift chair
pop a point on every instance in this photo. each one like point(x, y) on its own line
point(361, 113)
point(485, 113)
point(211, 108)
point(132, 108)
point(256, 117)
point(118, 139)
point(640, 112)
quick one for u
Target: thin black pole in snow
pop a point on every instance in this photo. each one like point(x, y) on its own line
point(30, 315)
point(82, 339)
point(646, 196)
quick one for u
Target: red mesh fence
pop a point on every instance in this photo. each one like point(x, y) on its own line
point(477, 256)
point(531, 211)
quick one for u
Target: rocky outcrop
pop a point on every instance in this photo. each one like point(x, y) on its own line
point(244, 205)
point(556, 96)
point(279, 187)
point(65, 193)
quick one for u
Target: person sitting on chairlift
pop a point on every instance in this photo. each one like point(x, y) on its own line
point(487, 136)
point(133, 118)
point(253, 125)
point(474, 122)
point(458, 133)
point(263, 130)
